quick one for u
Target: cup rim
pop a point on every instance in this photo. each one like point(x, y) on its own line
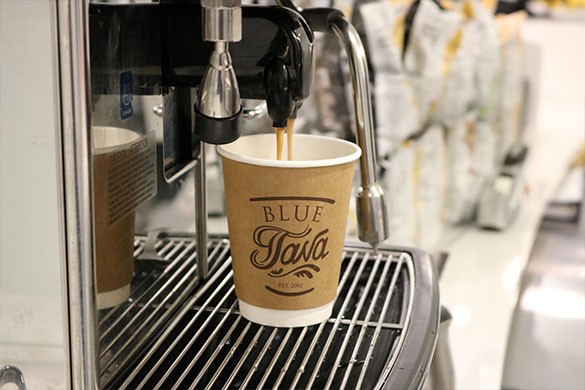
point(131, 136)
point(224, 151)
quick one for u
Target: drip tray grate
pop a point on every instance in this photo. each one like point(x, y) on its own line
point(177, 333)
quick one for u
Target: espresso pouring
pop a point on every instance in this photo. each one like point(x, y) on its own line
point(280, 139)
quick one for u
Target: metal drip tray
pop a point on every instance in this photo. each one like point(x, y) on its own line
point(176, 334)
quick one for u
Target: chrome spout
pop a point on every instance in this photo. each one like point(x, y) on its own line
point(218, 109)
point(370, 202)
point(370, 199)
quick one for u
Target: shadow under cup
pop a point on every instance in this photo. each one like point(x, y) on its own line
point(287, 223)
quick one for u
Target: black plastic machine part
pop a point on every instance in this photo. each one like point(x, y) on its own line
point(279, 102)
point(161, 45)
point(218, 130)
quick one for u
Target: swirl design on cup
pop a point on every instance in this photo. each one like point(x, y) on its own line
point(300, 271)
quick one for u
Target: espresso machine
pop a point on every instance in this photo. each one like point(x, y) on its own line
point(68, 66)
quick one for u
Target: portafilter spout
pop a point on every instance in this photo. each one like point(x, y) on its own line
point(370, 202)
point(218, 110)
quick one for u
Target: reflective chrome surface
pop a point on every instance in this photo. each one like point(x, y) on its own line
point(219, 96)
point(201, 215)
point(371, 204)
point(76, 122)
point(223, 20)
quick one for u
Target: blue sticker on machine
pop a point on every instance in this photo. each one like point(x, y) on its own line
point(126, 92)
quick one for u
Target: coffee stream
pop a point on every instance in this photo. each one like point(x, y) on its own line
point(280, 139)
point(289, 134)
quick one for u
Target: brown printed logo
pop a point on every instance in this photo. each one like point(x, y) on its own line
point(290, 252)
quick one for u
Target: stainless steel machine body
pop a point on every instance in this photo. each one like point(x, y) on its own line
point(51, 333)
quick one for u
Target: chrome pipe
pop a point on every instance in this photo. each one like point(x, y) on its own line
point(201, 235)
point(370, 202)
point(72, 28)
point(222, 20)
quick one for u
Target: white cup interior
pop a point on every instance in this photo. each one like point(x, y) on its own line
point(107, 139)
point(308, 151)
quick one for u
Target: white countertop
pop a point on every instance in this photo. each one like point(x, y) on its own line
point(481, 280)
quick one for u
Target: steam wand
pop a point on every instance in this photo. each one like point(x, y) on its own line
point(370, 202)
point(218, 111)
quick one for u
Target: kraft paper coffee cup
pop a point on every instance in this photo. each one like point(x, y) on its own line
point(287, 223)
point(114, 233)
